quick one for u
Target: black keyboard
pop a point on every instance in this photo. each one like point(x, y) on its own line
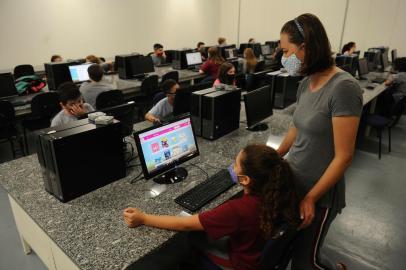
point(378, 80)
point(198, 196)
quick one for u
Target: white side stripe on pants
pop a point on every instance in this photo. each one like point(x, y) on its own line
point(318, 240)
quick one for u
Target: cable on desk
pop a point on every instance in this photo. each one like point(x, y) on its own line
point(197, 166)
point(136, 179)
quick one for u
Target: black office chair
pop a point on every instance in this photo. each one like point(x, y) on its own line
point(8, 130)
point(43, 107)
point(109, 99)
point(149, 87)
point(380, 122)
point(23, 70)
point(174, 75)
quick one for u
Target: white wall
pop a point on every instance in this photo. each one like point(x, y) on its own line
point(31, 31)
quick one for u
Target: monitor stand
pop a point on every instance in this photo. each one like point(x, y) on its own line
point(259, 127)
point(171, 177)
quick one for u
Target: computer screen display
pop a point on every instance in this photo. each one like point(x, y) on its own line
point(194, 58)
point(142, 65)
point(8, 88)
point(362, 67)
point(79, 73)
point(258, 105)
point(164, 147)
point(265, 49)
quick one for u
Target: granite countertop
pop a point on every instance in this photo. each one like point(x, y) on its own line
point(90, 229)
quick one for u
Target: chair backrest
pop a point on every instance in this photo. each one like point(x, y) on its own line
point(397, 110)
point(278, 250)
point(158, 96)
point(45, 105)
point(149, 86)
point(7, 114)
point(174, 75)
point(109, 99)
point(23, 70)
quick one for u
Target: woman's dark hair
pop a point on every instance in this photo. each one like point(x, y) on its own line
point(54, 57)
point(200, 43)
point(93, 59)
point(400, 64)
point(308, 29)
point(215, 56)
point(272, 181)
point(68, 91)
point(222, 75)
point(348, 46)
point(95, 72)
point(167, 85)
point(158, 46)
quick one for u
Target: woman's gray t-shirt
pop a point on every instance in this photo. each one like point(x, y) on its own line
point(313, 148)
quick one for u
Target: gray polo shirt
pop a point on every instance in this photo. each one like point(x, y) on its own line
point(162, 109)
point(63, 118)
point(313, 149)
point(90, 91)
point(158, 60)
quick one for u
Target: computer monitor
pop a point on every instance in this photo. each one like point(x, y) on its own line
point(79, 73)
point(7, 86)
point(126, 114)
point(394, 54)
point(194, 58)
point(162, 149)
point(258, 106)
point(57, 73)
point(384, 60)
point(183, 95)
point(242, 48)
point(142, 65)
point(362, 68)
point(266, 49)
point(223, 49)
point(231, 53)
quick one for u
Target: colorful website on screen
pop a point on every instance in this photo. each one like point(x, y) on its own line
point(167, 144)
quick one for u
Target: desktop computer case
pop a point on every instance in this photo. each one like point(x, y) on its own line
point(195, 109)
point(80, 158)
point(57, 73)
point(124, 65)
point(220, 112)
point(179, 59)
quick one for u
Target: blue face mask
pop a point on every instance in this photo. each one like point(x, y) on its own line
point(232, 173)
point(292, 64)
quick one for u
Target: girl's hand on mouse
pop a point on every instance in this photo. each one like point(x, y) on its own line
point(133, 217)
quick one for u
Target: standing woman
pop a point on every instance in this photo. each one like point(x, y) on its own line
point(321, 139)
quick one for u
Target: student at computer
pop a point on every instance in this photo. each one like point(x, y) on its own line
point(56, 58)
point(252, 40)
point(349, 48)
point(106, 66)
point(321, 139)
point(72, 104)
point(226, 74)
point(222, 41)
point(249, 62)
point(200, 48)
point(212, 65)
point(398, 81)
point(164, 108)
point(158, 56)
point(269, 200)
point(90, 90)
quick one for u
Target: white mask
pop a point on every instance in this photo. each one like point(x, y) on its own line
point(292, 64)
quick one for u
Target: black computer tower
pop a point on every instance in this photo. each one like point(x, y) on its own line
point(125, 65)
point(220, 113)
point(283, 89)
point(195, 109)
point(179, 58)
point(57, 73)
point(78, 160)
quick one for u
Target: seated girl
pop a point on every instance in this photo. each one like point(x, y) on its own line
point(226, 75)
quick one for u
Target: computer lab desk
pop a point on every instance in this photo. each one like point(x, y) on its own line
point(129, 87)
point(89, 232)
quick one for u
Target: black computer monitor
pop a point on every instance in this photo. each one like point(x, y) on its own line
point(384, 60)
point(362, 68)
point(394, 54)
point(258, 106)
point(142, 65)
point(242, 48)
point(79, 73)
point(222, 49)
point(183, 95)
point(7, 86)
point(231, 53)
point(266, 49)
point(162, 149)
point(169, 55)
point(193, 58)
point(126, 114)
point(57, 73)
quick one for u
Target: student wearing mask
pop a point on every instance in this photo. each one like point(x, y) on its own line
point(211, 66)
point(72, 105)
point(269, 199)
point(56, 58)
point(226, 74)
point(249, 62)
point(90, 90)
point(164, 108)
point(349, 48)
point(222, 41)
point(158, 56)
point(321, 139)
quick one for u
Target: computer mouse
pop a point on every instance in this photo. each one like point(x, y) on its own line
point(370, 87)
